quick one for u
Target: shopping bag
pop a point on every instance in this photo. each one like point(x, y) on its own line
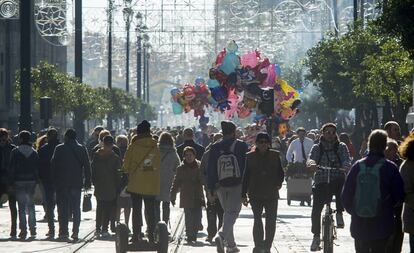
point(87, 202)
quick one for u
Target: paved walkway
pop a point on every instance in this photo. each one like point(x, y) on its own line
point(292, 233)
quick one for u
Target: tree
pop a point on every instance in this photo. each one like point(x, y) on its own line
point(397, 18)
point(361, 69)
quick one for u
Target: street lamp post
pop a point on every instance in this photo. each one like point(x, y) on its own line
point(128, 12)
point(147, 57)
point(110, 9)
point(145, 39)
point(25, 120)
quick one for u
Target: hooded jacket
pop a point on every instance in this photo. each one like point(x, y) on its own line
point(142, 163)
point(169, 163)
point(106, 175)
point(24, 164)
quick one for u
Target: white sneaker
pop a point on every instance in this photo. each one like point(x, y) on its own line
point(232, 249)
point(316, 242)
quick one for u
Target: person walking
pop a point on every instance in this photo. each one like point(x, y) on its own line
point(263, 177)
point(213, 209)
point(142, 164)
point(407, 172)
point(334, 154)
point(189, 182)
point(395, 242)
point(45, 175)
point(5, 185)
point(188, 135)
point(299, 149)
point(106, 177)
point(169, 163)
point(24, 169)
point(224, 176)
point(70, 172)
point(124, 199)
point(372, 189)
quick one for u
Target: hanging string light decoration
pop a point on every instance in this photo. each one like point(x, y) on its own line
point(9, 9)
point(51, 21)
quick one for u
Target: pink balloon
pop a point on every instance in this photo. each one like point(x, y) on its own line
point(234, 100)
point(271, 76)
point(250, 59)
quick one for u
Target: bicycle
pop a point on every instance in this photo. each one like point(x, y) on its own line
point(328, 223)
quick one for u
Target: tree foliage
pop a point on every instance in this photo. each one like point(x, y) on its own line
point(397, 18)
point(360, 68)
point(69, 95)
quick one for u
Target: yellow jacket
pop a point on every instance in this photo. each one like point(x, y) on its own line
point(142, 164)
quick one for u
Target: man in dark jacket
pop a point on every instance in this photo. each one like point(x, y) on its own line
point(371, 234)
point(23, 172)
point(262, 180)
point(224, 176)
point(71, 171)
point(189, 141)
point(5, 186)
point(45, 176)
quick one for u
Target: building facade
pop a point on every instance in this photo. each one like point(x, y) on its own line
point(10, 64)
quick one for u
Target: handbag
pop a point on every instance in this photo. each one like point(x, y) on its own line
point(87, 202)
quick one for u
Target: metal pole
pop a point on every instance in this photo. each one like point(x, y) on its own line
point(147, 75)
point(335, 16)
point(127, 67)
point(25, 120)
point(144, 53)
point(139, 66)
point(110, 8)
point(78, 40)
point(355, 11)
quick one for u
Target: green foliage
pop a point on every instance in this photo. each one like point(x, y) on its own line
point(360, 68)
point(397, 19)
point(69, 95)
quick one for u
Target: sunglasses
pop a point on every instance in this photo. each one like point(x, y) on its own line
point(262, 142)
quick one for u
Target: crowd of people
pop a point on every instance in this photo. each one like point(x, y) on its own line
point(214, 169)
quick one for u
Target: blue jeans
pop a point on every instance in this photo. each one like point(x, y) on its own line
point(24, 196)
point(67, 198)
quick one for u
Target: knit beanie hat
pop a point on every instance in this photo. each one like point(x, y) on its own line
point(227, 127)
point(143, 127)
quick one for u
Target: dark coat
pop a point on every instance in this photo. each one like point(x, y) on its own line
point(198, 148)
point(392, 193)
point(188, 181)
point(23, 166)
point(45, 155)
point(407, 173)
point(106, 175)
point(5, 152)
point(70, 166)
point(263, 175)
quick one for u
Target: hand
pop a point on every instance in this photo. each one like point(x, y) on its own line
point(245, 201)
point(313, 167)
point(210, 197)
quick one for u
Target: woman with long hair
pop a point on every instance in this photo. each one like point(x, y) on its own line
point(407, 172)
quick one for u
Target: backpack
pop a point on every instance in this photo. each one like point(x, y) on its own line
point(368, 192)
point(227, 166)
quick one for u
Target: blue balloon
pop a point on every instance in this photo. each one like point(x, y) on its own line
point(229, 64)
point(199, 79)
point(177, 108)
point(278, 70)
point(212, 83)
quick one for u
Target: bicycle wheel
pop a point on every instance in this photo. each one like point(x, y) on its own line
point(327, 234)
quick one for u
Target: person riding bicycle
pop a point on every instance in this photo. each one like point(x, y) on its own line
point(328, 153)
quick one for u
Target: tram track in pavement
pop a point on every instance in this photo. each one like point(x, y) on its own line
point(177, 237)
point(175, 243)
